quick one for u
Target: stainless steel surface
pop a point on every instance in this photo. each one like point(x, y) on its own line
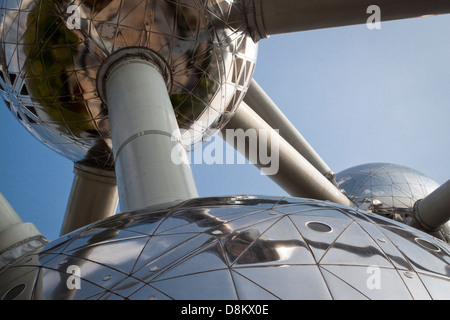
point(48, 71)
point(145, 133)
point(269, 17)
point(295, 174)
point(237, 247)
point(93, 197)
point(261, 103)
point(433, 211)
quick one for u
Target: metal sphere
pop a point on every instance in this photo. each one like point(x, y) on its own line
point(240, 247)
point(51, 51)
point(388, 188)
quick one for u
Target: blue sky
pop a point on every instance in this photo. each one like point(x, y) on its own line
point(357, 95)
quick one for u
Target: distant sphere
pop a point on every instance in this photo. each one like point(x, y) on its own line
point(51, 51)
point(237, 247)
point(391, 188)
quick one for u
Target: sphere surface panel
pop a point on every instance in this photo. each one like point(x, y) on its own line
point(397, 187)
point(51, 52)
point(237, 247)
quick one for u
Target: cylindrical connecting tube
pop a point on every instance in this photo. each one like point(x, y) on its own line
point(144, 135)
point(261, 103)
point(433, 211)
point(93, 197)
point(270, 17)
point(295, 174)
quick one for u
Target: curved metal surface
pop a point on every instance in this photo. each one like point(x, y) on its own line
point(271, 17)
point(48, 70)
point(263, 105)
point(395, 187)
point(237, 247)
point(293, 172)
point(390, 190)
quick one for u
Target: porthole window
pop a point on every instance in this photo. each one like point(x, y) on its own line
point(319, 226)
point(428, 245)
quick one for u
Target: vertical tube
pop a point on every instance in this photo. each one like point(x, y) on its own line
point(16, 237)
point(270, 17)
point(143, 128)
point(93, 197)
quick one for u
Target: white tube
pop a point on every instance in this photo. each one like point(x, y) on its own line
point(16, 237)
point(142, 126)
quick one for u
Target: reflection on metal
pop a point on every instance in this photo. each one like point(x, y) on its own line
point(261, 103)
point(16, 237)
point(295, 174)
point(48, 71)
point(238, 247)
point(93, 197)
point(392, 190)
point(269, 17)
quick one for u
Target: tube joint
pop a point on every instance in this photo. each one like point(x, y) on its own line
point(125, 56)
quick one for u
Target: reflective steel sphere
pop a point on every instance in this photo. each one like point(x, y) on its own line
point(52, 49)
point(239, 247)
point(389, 189)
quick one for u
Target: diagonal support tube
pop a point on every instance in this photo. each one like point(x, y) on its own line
point(295, 174)
point(93, 197)
point(261, 103)
point(433, 211)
